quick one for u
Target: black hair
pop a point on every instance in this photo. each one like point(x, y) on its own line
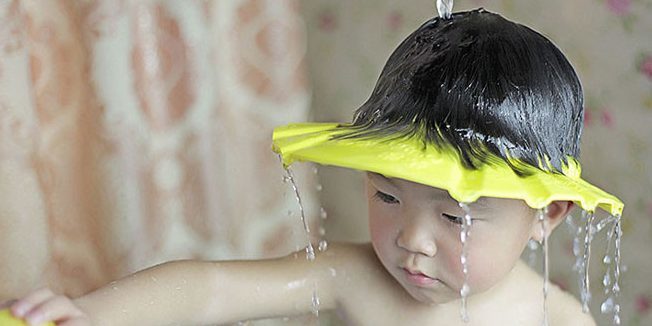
point(483, 85)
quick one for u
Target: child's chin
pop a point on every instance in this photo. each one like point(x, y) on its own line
point(430, 298)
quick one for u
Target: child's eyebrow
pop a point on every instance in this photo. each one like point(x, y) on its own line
point(380, 176)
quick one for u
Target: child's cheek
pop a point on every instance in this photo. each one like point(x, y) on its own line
point(486, 270)
point(381, 229)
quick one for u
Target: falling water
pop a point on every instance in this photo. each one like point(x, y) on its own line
point(464, 238)
point(310, 251)
point(577, 248)
point(616, 287)
point(315, 302)
point(445, 8)
point(532, 246)
point(589, 231)
point(323, 244)
point(611, 260)
point(544, 243)
point(611, 279)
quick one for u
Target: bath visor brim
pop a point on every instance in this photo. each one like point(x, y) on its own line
point(409, 159)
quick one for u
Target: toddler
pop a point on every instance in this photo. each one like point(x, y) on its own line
point(469, 143)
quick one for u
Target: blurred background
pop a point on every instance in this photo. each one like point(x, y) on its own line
point(136, 132)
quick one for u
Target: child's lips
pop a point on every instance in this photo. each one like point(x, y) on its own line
point(418, 278)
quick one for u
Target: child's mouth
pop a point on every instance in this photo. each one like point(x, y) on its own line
point(418, 278)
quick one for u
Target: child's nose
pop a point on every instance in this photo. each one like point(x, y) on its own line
point(415, 236)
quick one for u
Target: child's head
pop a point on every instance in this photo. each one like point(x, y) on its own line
point(461, 105)
point(484, 85)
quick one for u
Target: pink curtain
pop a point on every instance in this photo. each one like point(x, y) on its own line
point(134, 132)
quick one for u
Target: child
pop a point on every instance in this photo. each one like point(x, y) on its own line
point(472, 109)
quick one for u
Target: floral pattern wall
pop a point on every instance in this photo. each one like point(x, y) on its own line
point(608, 42)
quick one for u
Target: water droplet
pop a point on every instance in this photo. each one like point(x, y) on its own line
point(319, 187)
point(533, 246)
point(465, 290)
point(606, 280)
point(315, 303)
point(310, 252)
point(322, 213)
point(323, 245)
point(322, 231)
point(576, 247)
point(607, 259)
point(607, 306)
point(315, 170)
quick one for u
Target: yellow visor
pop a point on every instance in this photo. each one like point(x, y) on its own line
point(407, 158)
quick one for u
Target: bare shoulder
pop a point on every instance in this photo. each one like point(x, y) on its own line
point(565, 309)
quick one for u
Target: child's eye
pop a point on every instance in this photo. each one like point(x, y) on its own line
point(453, 219)
point(386, 198)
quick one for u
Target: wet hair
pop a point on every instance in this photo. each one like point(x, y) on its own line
point(483, 85)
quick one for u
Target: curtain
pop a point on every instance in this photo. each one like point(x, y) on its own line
point(136, 132)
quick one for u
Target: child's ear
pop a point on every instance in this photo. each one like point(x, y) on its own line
point(557, 212)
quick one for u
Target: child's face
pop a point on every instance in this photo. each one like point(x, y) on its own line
point(415, 231)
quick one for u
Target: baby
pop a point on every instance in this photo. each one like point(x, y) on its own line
point(476, 93)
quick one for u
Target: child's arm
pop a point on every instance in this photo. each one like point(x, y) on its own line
point(194, 292)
